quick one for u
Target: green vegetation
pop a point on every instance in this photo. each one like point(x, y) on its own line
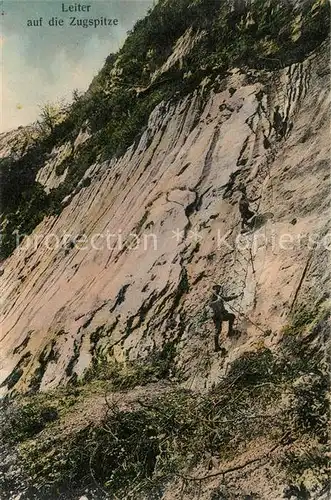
point(127, 375)
point(51, 114)
point(264, 34)
point(28, 420)
point(26, 416)
point(303, 318)
point(136, 449)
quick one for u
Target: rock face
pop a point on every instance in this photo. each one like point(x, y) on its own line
point(127, 267)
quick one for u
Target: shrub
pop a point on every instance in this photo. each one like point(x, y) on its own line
point(127, 375)
point(262, 34)
point(27, 420)
point(138, 448)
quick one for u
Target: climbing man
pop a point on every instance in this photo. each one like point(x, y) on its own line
point(220, 314)
point(245, 212)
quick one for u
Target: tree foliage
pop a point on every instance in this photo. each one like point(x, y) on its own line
point(51, 114)
point(262, 34)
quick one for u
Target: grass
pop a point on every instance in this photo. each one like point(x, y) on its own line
point(138, 450)
point(301, 319)
point(27, 416)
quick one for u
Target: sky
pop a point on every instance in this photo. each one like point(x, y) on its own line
point(46, 63)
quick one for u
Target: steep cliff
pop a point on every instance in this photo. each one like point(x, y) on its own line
point(130, 234)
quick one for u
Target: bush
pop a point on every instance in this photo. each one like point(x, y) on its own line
point(27, 420)
point(138, 448)
point(128, 375)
